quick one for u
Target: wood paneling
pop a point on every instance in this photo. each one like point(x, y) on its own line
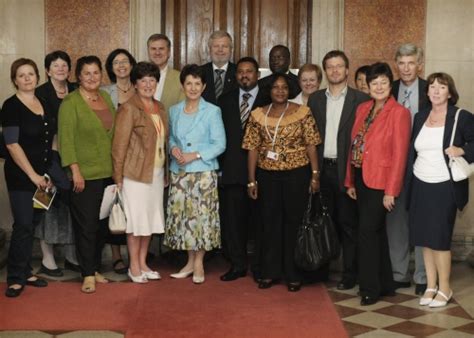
point(255, 25)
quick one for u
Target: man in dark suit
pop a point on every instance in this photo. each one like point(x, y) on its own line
point(236, 106)
point(220, 72)
point(279, 61)
point(334, 110)
point(410, 91)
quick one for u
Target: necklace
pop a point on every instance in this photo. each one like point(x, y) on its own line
point(94, 98)
point(432, 121)
point(125, 90)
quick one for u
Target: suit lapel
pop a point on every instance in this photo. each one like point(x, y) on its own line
point(347, 109)
point(448, 126)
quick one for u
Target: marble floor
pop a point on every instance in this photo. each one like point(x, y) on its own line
point(398, 316)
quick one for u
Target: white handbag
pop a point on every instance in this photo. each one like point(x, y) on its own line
point(460, 169)
point(117, 218)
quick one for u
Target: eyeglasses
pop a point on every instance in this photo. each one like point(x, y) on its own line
point(121, 63)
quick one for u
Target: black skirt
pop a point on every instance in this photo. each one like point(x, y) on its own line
point(432, 214)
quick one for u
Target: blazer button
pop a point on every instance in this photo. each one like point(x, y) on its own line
point(189, 144)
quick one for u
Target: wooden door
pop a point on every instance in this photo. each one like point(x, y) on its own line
point(255, 25)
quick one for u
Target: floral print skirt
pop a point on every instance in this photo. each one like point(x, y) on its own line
point(193, 212)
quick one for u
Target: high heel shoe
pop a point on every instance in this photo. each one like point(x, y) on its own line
point(441, 303)
point(183, 274)
point(198, 279)
point(427, 300)
point(151, 275)
point(137, 279)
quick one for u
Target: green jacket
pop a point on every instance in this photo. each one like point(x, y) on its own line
point(83, 139)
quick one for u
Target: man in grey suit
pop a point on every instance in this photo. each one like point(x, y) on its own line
point(410, 91)
point(334, 110)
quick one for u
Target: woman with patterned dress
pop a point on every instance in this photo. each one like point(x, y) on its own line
point(197, 138)
point(281, 139)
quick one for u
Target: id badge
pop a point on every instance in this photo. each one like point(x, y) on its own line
point(272, 155)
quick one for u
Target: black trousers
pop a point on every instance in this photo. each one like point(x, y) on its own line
point(25, 219)
point(235, 226)
point(283, 197)
point(343, 211)
point(90, 233)
point(375, 268)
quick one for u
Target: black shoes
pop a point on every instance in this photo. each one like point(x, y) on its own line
point(70, 266)
point(294, 287)
point(12, 293)
point(401, 285)
point(50, 272)
point(266, 283)
point(368, 300)
point(233, 275)
point(120, 271)
point(420, 289)
point(345, 284)
point(37, 283)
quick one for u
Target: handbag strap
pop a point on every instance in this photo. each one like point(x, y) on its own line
point(454, 127)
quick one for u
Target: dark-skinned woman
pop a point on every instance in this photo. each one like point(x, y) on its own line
point(282, 167)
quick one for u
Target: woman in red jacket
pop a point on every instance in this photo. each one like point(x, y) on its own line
point(375, 169)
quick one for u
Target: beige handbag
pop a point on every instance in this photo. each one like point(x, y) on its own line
point(117, 218)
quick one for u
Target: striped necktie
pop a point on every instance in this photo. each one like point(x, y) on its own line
point(219, 82)
point(406, 99)
point(244, 109)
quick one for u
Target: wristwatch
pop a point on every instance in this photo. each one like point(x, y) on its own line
point(198, 156)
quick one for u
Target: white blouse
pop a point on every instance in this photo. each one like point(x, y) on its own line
point(430, 165)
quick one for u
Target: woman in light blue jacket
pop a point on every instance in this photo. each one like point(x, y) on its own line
point(197, 138)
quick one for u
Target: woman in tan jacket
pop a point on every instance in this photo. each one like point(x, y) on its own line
point(139, 159)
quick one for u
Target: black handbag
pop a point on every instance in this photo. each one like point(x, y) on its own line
point(316, 241)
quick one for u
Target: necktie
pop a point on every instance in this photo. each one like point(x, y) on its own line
point(406, 99)
point(219, 82)
point(244, 109)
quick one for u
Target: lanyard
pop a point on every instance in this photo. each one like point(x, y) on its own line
point(277, 125)
point(156, 123)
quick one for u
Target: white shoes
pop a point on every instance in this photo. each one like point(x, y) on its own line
point(198, 279)
point(137, 279)
point(441, 303)
point(427, 300)
point(151, 275)
point(180, 275)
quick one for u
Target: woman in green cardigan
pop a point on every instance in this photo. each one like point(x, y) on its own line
point(86, 118)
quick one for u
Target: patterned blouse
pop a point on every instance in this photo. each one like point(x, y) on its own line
point(296, 131)
point(357, 151)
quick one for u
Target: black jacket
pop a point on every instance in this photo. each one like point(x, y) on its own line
point(233, 162)
point(317, 102)
point(230, 82)
point(423, 100)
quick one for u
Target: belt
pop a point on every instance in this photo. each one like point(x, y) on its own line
point(330, 161)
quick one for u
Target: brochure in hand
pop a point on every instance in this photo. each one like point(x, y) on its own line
point(43, 199)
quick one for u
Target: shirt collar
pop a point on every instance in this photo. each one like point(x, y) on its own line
point(252, 92)
point(164, 70)
point(411, 87)
point(341, 95)
point(224, 67)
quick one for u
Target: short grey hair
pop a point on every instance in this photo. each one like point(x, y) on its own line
point(218, 35)
point(409, 49)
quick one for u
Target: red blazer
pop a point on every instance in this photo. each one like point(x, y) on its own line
point(385, 149)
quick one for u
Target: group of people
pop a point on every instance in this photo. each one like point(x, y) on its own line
point(240, 155)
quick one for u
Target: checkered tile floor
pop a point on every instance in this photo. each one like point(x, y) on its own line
point(398, 316)
point(401, 316)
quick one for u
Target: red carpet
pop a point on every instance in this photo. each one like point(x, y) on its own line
point(176, 308)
